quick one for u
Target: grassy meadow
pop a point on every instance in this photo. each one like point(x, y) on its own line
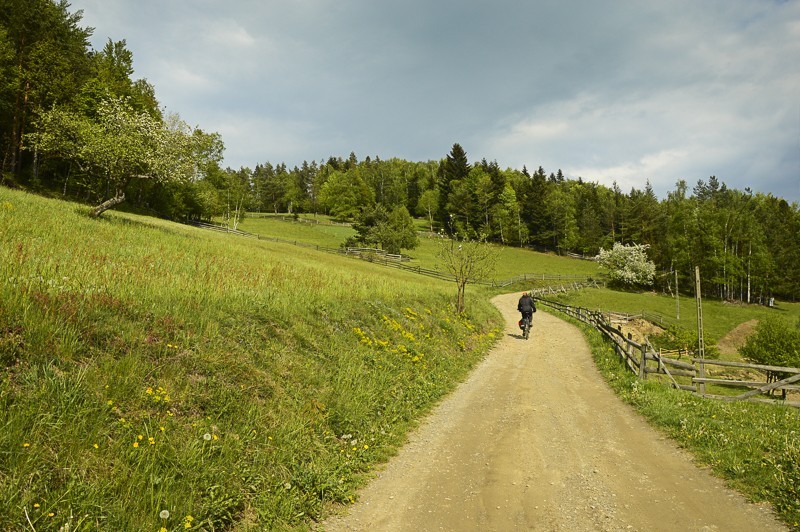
point(512, 262)
point(162, 377)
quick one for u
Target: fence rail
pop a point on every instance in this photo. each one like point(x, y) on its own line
point(689, 375)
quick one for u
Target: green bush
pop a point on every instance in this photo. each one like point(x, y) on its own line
point(776, 342)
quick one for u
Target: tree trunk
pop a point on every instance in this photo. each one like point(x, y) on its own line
point(103, 207)
point(460, 306)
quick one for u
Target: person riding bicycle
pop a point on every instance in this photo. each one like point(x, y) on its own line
point(526, 307)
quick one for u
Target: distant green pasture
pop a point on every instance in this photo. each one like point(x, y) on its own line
point(512, 261)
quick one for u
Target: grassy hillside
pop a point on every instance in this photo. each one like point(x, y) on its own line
point(157, 375)
point(513, 261)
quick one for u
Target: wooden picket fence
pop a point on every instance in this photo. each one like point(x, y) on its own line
point(692, 374)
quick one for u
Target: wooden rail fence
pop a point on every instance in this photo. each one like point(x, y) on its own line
point(691, 374)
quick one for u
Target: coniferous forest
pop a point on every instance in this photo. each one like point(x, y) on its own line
point(65, 106)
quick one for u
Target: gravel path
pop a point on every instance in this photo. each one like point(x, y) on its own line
point(535, 440)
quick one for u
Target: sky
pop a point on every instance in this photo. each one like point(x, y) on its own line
point(619, 91)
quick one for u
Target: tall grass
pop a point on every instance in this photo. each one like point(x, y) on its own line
point(160, 376)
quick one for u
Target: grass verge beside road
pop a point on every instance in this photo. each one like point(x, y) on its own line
point(157, 375)
point(754, 447)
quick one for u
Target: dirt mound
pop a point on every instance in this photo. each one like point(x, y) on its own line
point(734, 340)
point(639, 329)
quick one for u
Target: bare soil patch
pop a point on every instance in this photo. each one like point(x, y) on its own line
point(639, 329)
point(734, 340)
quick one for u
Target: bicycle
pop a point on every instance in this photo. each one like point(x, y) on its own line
point(526, 327)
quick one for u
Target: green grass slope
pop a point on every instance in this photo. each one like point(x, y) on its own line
point(511, 263)
point(161, 376)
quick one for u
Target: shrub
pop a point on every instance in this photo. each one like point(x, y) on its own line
point(776, 342)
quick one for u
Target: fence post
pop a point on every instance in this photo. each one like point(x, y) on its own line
point(643, 363)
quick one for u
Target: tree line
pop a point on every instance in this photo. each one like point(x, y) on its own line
point(75, 122)
point(747, 245)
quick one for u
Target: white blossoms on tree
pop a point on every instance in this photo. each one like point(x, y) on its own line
point(628, 264)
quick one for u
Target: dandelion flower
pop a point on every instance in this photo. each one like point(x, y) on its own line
point(149, 391)
point(215, 437)
point(51, 514)
point(26, 444)
point(140, 437)
point(36, 505)
point(161, 429)
point(96, 446)
point(151, 440)
point(207, 436)
point(162, 529)
point(164, 514)
point(136, 444)
point(110, 402)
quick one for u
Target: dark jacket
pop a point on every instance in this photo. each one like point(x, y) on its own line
point(526, 304)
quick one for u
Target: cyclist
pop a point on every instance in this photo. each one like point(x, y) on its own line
point(526, 307)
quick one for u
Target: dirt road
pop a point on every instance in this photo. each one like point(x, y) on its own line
point(535, 440)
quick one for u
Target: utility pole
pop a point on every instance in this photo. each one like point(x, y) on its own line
point(701, 347)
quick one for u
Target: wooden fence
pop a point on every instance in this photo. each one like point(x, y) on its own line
point(693, 374)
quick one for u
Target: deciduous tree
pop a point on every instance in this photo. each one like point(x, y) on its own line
point(122, 144)
point(467, 261)
point(629, 264)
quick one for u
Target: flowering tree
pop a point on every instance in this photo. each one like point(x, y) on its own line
point(628, 264)
point(121, 144)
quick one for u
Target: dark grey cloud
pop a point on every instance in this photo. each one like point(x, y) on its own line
point(609, 91)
